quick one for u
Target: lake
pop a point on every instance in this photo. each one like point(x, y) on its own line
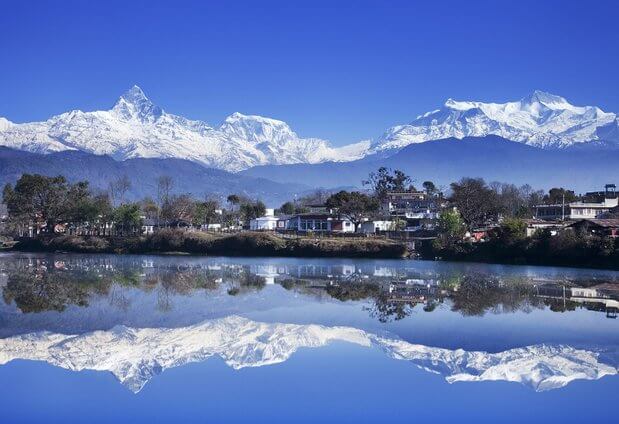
point(104, 338)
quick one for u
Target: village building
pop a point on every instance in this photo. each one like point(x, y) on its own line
point(268, 222)
point(594, 205)
point(535, 225)
point(148, 226)
point(317, 208)
point(282, 222)
point(601, 227)
point(375, 226)
point(418, 209)
point(320, 223)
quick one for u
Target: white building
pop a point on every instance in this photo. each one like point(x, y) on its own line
point(268, 222)
point(371, 227)
point(601, 203)
point(321, 223)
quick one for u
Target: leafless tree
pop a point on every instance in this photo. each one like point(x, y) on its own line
point(118, 189)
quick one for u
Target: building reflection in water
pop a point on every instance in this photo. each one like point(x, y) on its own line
point(41, 283)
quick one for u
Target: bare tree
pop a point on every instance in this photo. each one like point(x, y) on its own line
point(118, 189)
point(164, 189)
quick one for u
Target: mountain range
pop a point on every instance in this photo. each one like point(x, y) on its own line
point(541, 139)
point(137, 128)
point(135, 355)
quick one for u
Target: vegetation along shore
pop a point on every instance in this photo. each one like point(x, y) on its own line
point(237, 244)
point(391, 217)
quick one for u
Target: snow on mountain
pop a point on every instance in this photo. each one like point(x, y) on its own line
point(135, 355)
point(540, 119)
point(135, 127)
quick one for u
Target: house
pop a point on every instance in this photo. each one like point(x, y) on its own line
point(214, 226)
point(317, 208)
point(282, 222)
point(375, 226)
point(481, 233)
point(327, 223)
point(534, 225)
point(268, 222)
point(602, 227)
point(594, 205)
point(418, 209)
point(148, 226)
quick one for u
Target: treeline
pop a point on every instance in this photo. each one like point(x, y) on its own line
point(44, 202)
point(508, 244)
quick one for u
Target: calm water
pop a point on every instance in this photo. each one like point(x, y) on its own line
point(98, 338)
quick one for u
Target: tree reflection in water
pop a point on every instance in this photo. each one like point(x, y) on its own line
point(40, 284)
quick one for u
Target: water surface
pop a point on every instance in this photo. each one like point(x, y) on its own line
point(193, 339)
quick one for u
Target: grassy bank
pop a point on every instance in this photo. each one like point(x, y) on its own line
point(240, 244)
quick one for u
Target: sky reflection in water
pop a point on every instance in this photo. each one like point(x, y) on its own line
point(136, 316)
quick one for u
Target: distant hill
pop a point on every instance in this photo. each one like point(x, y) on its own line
point(444, 161)
point(189, 177)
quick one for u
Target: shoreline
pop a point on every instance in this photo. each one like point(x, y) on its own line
point(257, 244)
point(171, 242)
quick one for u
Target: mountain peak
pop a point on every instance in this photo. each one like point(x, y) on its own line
point(134, 95)
point(134, 104)
point(240, 117)
point(545, 98)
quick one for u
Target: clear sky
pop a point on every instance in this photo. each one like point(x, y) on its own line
point(342, 71)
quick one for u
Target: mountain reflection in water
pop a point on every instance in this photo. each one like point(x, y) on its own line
point(135, 316)
point(134, 356)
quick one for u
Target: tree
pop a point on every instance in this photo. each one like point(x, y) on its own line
point(450, 227)
point(164, 188)
point(557, 196)
point(512, 229)
point(516, 202)
point(205, 212)
point(385, 180)
point(287, 208)
point(127, 216)
point(353, 204)
point(38, 198)
point(430, 188)
point(398, 224)
point(119, 188)
point(451, 224)
point(181, 207)
point(149, 208)
point(234, 200)
point(475, 201)
point(251, 210)
point(317, 197)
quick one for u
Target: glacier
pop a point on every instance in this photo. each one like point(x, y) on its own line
point(137, 128)
point(135, 355)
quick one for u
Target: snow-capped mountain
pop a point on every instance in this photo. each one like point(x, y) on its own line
point(135, 355)
point(541, 119)
point(135, 127)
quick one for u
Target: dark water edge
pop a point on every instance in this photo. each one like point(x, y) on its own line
point(259, 244)
point(496, 255)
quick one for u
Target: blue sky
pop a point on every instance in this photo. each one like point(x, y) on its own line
point(338, 70)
